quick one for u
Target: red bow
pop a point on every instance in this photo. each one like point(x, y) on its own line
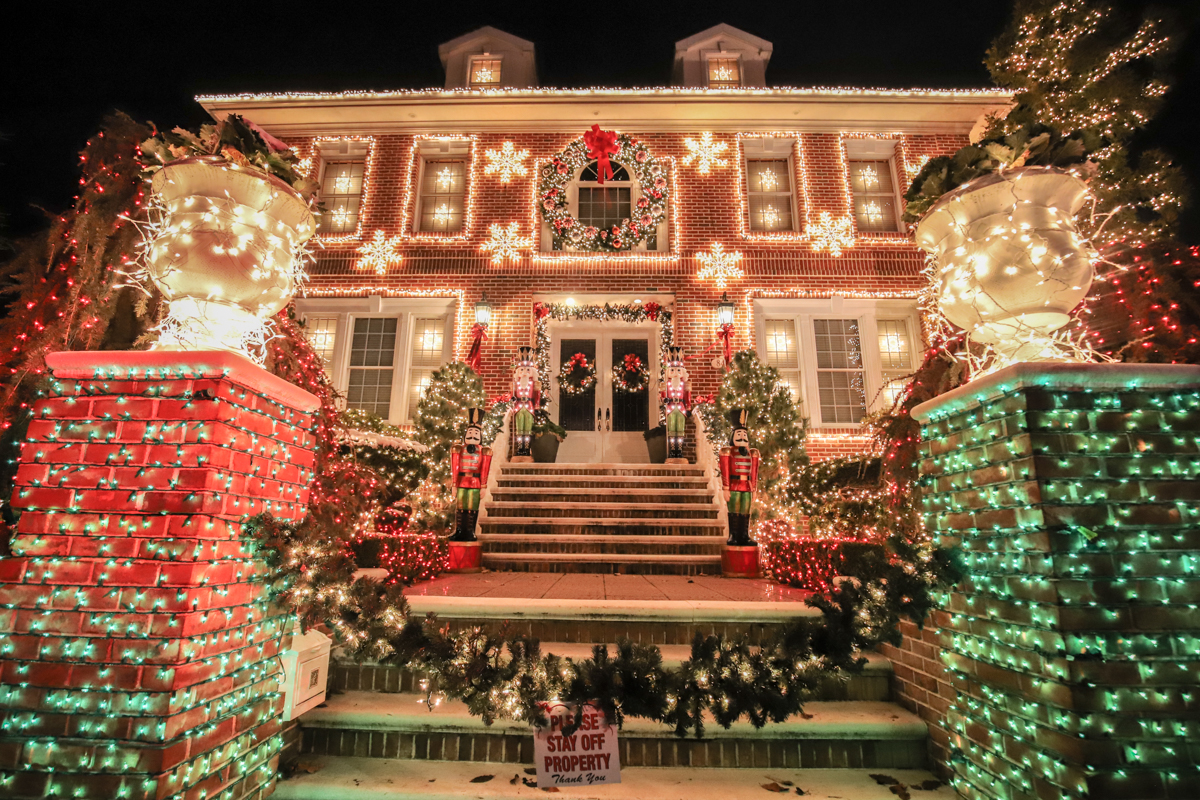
point(474, 357)
point(652, 308)
point(725, 333)
point(540, 311)
point(601, 144)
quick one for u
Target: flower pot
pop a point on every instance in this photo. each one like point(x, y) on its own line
point(225, 253)
point(544, 448)
point(656, 444)
point(1010, 264)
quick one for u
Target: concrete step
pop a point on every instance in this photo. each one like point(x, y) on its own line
point(607, 563)
point(347, 778)
point(505, 480)
point(872, 683)
point(545, 494)
point(585, 526)
point(516, 543)
point(857, 734)
point(661, 622)
point(599, 510)
point(654, 470)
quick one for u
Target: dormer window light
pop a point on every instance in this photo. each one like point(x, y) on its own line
point(484, 72)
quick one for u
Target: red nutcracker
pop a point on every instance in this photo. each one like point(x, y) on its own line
point(469, 466)
point(739, 479)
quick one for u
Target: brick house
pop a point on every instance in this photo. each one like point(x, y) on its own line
point(804, 184)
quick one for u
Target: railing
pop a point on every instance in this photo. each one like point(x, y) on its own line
point(499, 459)
point(706, 457)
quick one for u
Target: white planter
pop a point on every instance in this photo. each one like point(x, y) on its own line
point(224, 258)
point(1011, 265)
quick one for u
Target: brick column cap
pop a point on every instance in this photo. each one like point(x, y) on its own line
point(168, 364)
point(1061, 377)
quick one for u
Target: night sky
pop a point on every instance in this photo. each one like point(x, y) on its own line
point(70, 63)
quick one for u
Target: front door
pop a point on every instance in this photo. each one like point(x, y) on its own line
point(604, 424)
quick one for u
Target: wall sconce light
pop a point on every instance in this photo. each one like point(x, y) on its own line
point(483, 311)
point(725, 310)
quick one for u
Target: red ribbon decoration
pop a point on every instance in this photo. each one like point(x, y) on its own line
point(725, 333)
point(652, 308)
point(475, 355)
point(600, 145)
point(540, 311)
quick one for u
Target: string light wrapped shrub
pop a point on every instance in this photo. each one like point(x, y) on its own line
point(1011, 265)
point(226, 252)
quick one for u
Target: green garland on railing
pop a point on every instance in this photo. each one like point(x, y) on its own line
point(729, 678)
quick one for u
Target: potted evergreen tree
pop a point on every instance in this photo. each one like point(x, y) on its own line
point(547, 435)
point(656, 444)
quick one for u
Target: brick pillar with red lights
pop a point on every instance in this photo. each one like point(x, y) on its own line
point(138, 648)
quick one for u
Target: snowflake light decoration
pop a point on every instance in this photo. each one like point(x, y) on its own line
point(873, 212)
point(505, 243)
point(719, 266)
point(342, 184)
point(869, 177)
point(770, 217)
point(380, 253)
point(705, 152)
point(442, 214)
point(304, 166)
point(341, 218)
point(832, 234)
point(913, 170)
point(723, 73)
point(508, 161)
point(445, 179)
point(767, 180)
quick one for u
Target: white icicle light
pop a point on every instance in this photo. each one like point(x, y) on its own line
point(1010, 265)
point(225, 254)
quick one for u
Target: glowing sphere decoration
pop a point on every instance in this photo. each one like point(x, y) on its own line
point(225, 254)
point(1011, 265)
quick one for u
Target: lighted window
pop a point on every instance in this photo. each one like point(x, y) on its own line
point(372, 366)
point(874, 189)
point(769, 183)
point(428, 347)
point(895, 356)
point(484, 73)
point(443, 189)
point(839, 371)
point(341, 196)
point(322, 334)
point(724, 72)
point(783, 352)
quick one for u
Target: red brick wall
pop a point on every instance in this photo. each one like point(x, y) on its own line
point(921, 684)
point(706, 210)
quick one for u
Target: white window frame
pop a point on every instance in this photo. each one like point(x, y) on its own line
point(867, 313)
point(875, 150)
point(484, 57)
point(440, 150)
point(721, 55)
point(344, 150)
point(407, 311)
point(770, 149)
point(662, 243)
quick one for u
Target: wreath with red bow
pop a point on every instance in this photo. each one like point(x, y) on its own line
point(604, 147)
point(577, 375)
point(631, 375)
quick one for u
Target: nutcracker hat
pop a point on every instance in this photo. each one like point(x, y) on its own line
point(739, 417)
point(474, 417)
point(674, 354)
point(525, 353)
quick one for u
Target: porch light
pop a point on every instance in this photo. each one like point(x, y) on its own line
point(725, 310)
point(483, 311)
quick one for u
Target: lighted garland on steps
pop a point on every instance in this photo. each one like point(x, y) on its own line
point(500, 677)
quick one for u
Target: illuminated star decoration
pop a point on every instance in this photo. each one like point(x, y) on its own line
point(707, 151)
point(719, 266)
point(832, 234)
point(505, 243)
point(380, 253)
point(723, 73)
point(508, 161)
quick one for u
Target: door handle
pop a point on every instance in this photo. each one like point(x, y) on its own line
point(599, 423)
point(608, 419)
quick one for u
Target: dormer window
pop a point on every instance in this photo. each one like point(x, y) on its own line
point(724, 72)
point(484, 72)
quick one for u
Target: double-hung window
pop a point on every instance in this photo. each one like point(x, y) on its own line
point(841, 358)
point(724, 71)
point(380, 353)
point(770, 189)
point(442, 182)
point(343, 166)
point(875, 191)
point(483, 72)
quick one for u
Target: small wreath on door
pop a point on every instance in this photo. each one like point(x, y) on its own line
point(577, 375)
point(631, 375)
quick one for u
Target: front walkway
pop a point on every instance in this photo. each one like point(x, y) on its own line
point(586, 586)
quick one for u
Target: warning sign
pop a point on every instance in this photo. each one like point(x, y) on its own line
point(587, 757)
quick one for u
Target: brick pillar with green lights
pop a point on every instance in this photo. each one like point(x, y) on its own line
point(1074, 642)
point(138, 649)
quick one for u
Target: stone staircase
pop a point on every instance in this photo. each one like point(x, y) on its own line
point(375, 738)
point(602, 518)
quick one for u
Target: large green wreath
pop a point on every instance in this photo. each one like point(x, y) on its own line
point(651, 207)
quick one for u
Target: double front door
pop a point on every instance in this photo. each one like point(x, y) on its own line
point(605, 424)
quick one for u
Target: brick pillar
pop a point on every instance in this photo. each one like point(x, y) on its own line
point(137, 648)
point(1074, 643)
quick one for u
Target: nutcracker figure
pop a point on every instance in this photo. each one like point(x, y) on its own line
point(677, 401)
point(469, 465)
point(526, 399)
point(739, 479)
